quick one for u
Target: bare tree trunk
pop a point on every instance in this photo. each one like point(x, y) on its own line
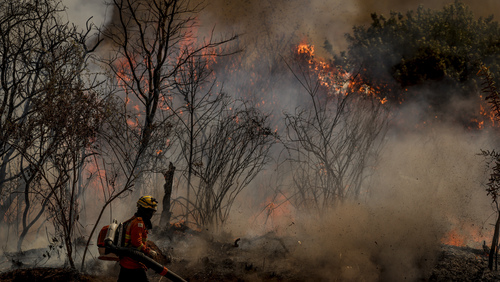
point(167, 187)
point(494, 243)
point(496, 260)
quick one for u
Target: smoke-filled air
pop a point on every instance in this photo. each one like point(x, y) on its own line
point(270, 140)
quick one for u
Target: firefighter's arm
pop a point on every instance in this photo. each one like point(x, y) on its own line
point(137, 240)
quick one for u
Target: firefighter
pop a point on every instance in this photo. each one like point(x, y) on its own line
point(136, 234)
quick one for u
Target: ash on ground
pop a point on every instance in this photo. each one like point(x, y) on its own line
point(463, 264)
point(454, 264)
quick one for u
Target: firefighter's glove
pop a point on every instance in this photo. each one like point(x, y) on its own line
point(153, 254)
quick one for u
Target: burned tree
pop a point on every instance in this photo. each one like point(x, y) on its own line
point(235, 150)
point(493, 191)
point(221, 144)
point(493, 161)
point(148, 43)
point(167, 189)
point(333, 140)
point(199, 104)
point(44, 106)
point(60, 181)
point(21, 73)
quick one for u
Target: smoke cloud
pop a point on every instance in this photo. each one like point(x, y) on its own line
point(427, 180)
point(79, 12)
point(260, 20)
point(318, 20)
point(428, 184)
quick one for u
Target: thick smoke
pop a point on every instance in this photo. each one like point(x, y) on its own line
point(79, 12)
point(427, 180)
point(428, 184)
point(318, 20)
point(259, 20)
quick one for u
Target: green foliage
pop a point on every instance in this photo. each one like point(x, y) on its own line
point(491, 92)
point(426, 46)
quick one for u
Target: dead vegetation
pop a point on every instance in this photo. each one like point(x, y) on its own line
point(261, 259)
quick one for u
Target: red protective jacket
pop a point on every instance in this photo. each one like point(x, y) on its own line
point(136, 236)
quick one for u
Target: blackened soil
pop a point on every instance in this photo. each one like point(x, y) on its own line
point(454, 264)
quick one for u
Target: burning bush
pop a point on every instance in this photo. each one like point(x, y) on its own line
point(424, 50)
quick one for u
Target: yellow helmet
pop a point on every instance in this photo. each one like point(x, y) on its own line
point(147, 202)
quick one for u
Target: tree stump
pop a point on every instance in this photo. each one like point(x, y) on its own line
point(167, 187)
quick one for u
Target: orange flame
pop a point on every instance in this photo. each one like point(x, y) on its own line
point(453, 238)
point(335, 79)
point(465, 235)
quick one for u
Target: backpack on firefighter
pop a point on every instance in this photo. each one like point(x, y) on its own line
point(111, 244)
point(110, 234)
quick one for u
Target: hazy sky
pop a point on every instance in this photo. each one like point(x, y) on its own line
point(318, 19)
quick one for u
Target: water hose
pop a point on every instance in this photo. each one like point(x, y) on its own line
point(138, 256)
